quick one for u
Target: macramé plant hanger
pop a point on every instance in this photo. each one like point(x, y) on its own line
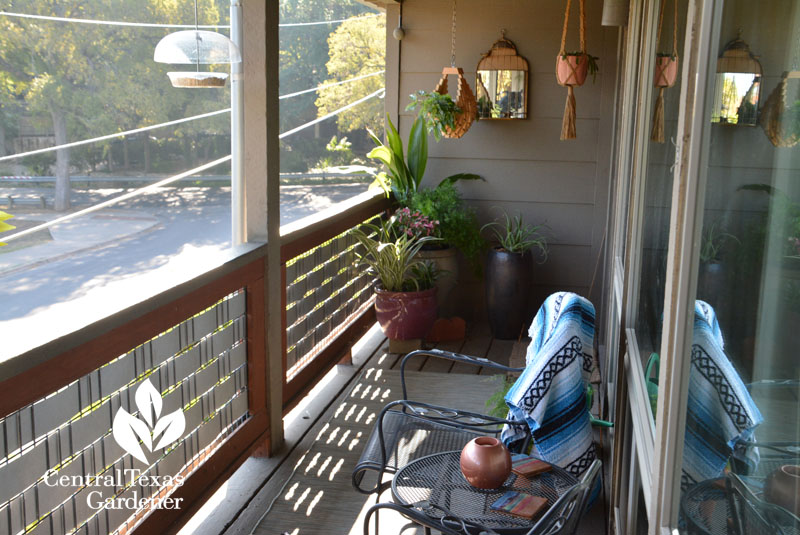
point(666, 72)
point(571, 71)
point(465, 99)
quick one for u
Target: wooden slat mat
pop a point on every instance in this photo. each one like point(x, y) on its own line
point(318, 497)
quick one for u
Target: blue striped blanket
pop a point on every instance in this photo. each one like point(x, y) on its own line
point(720, 411)
point(550, 395)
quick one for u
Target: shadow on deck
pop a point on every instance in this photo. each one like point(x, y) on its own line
point(305, 489)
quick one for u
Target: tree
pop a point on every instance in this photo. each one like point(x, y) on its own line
point(303, 58)
point(92, 80)
point(356, 48)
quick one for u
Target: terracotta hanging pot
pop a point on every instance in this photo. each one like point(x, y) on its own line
point(782, 487)
point(666, 71)
point(572, 70)
point(485, 462)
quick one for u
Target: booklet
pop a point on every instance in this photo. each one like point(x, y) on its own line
point(519, 504)
point(522, 465)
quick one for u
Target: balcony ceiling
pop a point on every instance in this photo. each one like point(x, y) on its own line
point(380, 4)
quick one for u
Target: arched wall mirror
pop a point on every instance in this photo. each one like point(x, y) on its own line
point(738, 85)
point(502, 82)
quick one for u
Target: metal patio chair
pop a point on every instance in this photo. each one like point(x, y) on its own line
point(406, 430)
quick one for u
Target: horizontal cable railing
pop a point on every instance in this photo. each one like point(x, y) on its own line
point(61, 459)
point(121, 445)
point(327, 297)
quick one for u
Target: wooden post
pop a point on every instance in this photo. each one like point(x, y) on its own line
point(262, 174)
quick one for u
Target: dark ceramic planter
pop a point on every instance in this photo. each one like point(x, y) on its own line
point(405, 315)
point(508, 287)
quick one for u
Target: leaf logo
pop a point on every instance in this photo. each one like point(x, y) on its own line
point(162, 431)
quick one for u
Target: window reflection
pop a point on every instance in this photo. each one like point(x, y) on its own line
point(749, 275)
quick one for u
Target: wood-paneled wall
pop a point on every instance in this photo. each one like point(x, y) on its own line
point(563, 184)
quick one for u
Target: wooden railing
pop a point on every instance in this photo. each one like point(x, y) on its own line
point(201, 346)
point(174, 388)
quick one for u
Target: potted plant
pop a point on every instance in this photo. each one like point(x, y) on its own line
point(457, 227)
point(436, 110)
point(666, 70)
point(711, 282)
point(509, 274)
point(573, 67)
point(404, 172)
point(405, 302)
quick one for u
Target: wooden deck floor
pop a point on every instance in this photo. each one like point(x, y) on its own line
point(306, 489)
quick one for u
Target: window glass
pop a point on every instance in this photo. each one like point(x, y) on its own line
point(72, 79)
point(658, 178)
point(743, 415)
point(332, 67)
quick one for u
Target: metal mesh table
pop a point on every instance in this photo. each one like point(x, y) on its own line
point(707, 509)
point(435, 487)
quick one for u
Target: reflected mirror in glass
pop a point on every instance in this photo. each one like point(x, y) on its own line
point(502, 83)
point(738, 85)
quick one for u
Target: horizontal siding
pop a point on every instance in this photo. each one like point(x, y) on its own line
point(527, 168)
point(550, 182)
point(530, 139)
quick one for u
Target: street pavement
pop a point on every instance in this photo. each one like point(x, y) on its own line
point(110, 258)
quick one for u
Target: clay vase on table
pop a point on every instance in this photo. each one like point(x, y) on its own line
point(782, 487)
point(485, 462)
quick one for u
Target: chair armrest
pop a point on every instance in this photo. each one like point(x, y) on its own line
point(456, 357)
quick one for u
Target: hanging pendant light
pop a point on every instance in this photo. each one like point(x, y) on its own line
point(196, 47)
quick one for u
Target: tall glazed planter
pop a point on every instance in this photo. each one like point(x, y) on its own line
point(509, 277)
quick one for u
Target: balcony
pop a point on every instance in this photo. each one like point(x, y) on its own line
point(202, 346)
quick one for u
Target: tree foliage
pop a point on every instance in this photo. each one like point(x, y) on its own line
point(356, 48)
point(88, 80)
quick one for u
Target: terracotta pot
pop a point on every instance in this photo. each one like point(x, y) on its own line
point(666, 71)
point(572, 70)
point(444, 260)
point(509, 277)
point(485, 462)
point(405, 315)
point(782, 487)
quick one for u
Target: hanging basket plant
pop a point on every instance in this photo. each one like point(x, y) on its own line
point(779, 119)
point(572, 69)
point(465, 101)
point(665, 74)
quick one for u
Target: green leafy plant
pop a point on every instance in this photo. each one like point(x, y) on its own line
point(3, 225)
point(785, 211)
point(437, 110)
point(593, 68)
point(517, 237)
point(391, 257)
point(404, 172)
point(458, 224)
point(496, 404)
point(338, 152)
point(712, 243)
